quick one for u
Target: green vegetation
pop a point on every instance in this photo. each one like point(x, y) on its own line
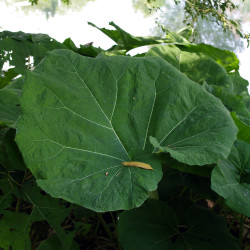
point(202, 16)
point(216, 22)
point(71, 116)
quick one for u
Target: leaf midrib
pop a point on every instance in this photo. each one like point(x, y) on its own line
point(99, 105)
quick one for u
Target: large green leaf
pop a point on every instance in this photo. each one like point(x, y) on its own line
point(157, 226)
point(224, 58)
point(83, 117)
point(231, 178)
point(206, 68)
point(197, 65)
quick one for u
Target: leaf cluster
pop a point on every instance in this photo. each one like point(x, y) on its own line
point(99, 149)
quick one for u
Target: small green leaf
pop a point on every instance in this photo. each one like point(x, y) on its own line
point(8, 76)
point(244, 129)
point(70, 44)
point(14, 231)
point(89, 50)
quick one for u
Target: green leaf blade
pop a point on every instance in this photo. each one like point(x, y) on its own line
point(83, 117)
point(90, 149)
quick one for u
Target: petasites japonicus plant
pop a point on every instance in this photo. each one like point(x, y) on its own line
point(82, 118)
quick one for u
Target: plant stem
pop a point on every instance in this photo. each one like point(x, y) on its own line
point(114, 222)
point(18, 204)
point(216, 203)
point(116, 230)
point(182, 192)
point(242, 219)
point(153, 195)
point(105, 226)
point(232, 223)
point(97, 227)
point(19, 200)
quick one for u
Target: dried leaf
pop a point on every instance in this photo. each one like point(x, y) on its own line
point(137, 164)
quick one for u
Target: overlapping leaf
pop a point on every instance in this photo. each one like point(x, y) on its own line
point(10, 156)
point(10, 104)
point(17, 47)
point(244, 128)
point(193, 62)
point(208, 66)
point(204, 170)
point(240, 84)
point(157, 226)
point(225, 58)
point(84, 117)
point(231, 178)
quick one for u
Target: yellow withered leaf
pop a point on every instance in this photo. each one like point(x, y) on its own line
point(137, 164)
